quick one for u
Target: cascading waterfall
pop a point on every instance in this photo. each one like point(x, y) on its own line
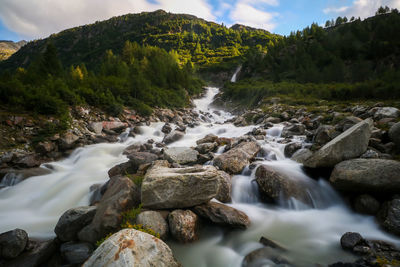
point(311, 234)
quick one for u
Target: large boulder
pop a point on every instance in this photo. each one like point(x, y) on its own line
point(237, 158)
point(394, 134)
point(121, 195)
point(76, 253)
point(136, 159)
point(181, 155)
point(275, 186)
point(389, 216)
point(350, 144)
point(130, 247)
point(223, 215)
point(224, 193)
point(12, 243)
point(295, 129)
point(206, 147)
point(155, 221)
point(386, 112)
point(367, 175)
point(72, 221)
point(173, 136)
point(302, 155)
point(165, 188)
point(184, 225)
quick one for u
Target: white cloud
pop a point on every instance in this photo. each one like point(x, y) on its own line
point(248, 14)
point(362, 8)
point(39, 18)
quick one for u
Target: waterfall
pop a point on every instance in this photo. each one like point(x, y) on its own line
point(233, 79)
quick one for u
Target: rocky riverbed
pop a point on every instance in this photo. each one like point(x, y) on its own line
point(201, 187)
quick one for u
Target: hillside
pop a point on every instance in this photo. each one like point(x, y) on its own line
point(349, 60)
point(194, 39)
point(7, 48)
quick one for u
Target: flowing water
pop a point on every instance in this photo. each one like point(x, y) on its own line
point(311, 234)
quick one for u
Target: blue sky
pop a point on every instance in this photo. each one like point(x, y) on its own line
point(34, 19)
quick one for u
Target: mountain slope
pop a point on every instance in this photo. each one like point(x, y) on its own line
point(7, 48)
point(192, 38)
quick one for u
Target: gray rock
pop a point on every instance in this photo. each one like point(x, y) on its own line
point(291, 148)
point(184, 225)
point(324, 134)
point(206, 147)
point(349, 240)
point(45, 147)
point(166, 128)
point(130, 247)
point(173, 137)
point(225, 188)
point(302, 155)
point(209, 138)
point(76, 253)
point(12, 243)
point(350, 144)
point(121, 195)
point(366, 204)
point(266, 256)
point(386, 112)
point(294, 129)
point(136, 159)
point(155, 221)
point(394, 134)
point(223, 215)
point(165, 188)
point(237, 158)
point(96, 127)
point(367, 175)
point(72, 221)
point(38, 254)
point(347, 123)
point(389, 216)
point(275, 186)
point(68, 141)
point(180, 155)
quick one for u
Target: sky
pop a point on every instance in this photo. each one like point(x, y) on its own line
point(35, 19)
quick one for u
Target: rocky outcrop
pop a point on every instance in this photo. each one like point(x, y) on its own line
point(122, 194)
point(183, 225)
point(350, 144)
point(130, 247)
point(180, 155)
point(237, 158)
point(155, 221)
point(13, 243)
point(223, 215)
point(165, 188)
point(367, 175)
point(275, 186)
point(72, 221)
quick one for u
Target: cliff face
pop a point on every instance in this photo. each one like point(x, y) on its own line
point(7, 48)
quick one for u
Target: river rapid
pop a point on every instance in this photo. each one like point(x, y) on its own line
point(310, 234)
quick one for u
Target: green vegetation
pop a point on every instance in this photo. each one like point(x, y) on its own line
point(101, 241)
point(356, 60)
point(141, 77)
point(129, 216)
point(191, 39)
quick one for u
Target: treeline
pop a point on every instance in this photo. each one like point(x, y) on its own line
point(351, 52)
point(201, 42)
point(140, 77)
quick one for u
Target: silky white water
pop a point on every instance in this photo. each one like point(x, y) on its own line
point(311, 234)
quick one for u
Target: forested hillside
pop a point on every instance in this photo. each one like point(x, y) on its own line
point(348, 59)
point(193, 39)
point(7, 48)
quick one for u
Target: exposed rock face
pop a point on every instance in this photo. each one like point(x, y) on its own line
point(165, 188)
point(367, 175)
point(223, 215)
point(389, 216)
point(173, 136)
point(350, 144)
point(183, 225)
point(276, 186)
point(12, 243)
point(394, 134)
point(76, 253)
point(180, 155)
point(155, 221)
point(130, 247)
point(237, 158)
point(121, 195)
point(72, 221)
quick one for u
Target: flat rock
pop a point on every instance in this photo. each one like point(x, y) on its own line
point(181, 155)
point(223, 215)
point(367, 175)
point(130, 247)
